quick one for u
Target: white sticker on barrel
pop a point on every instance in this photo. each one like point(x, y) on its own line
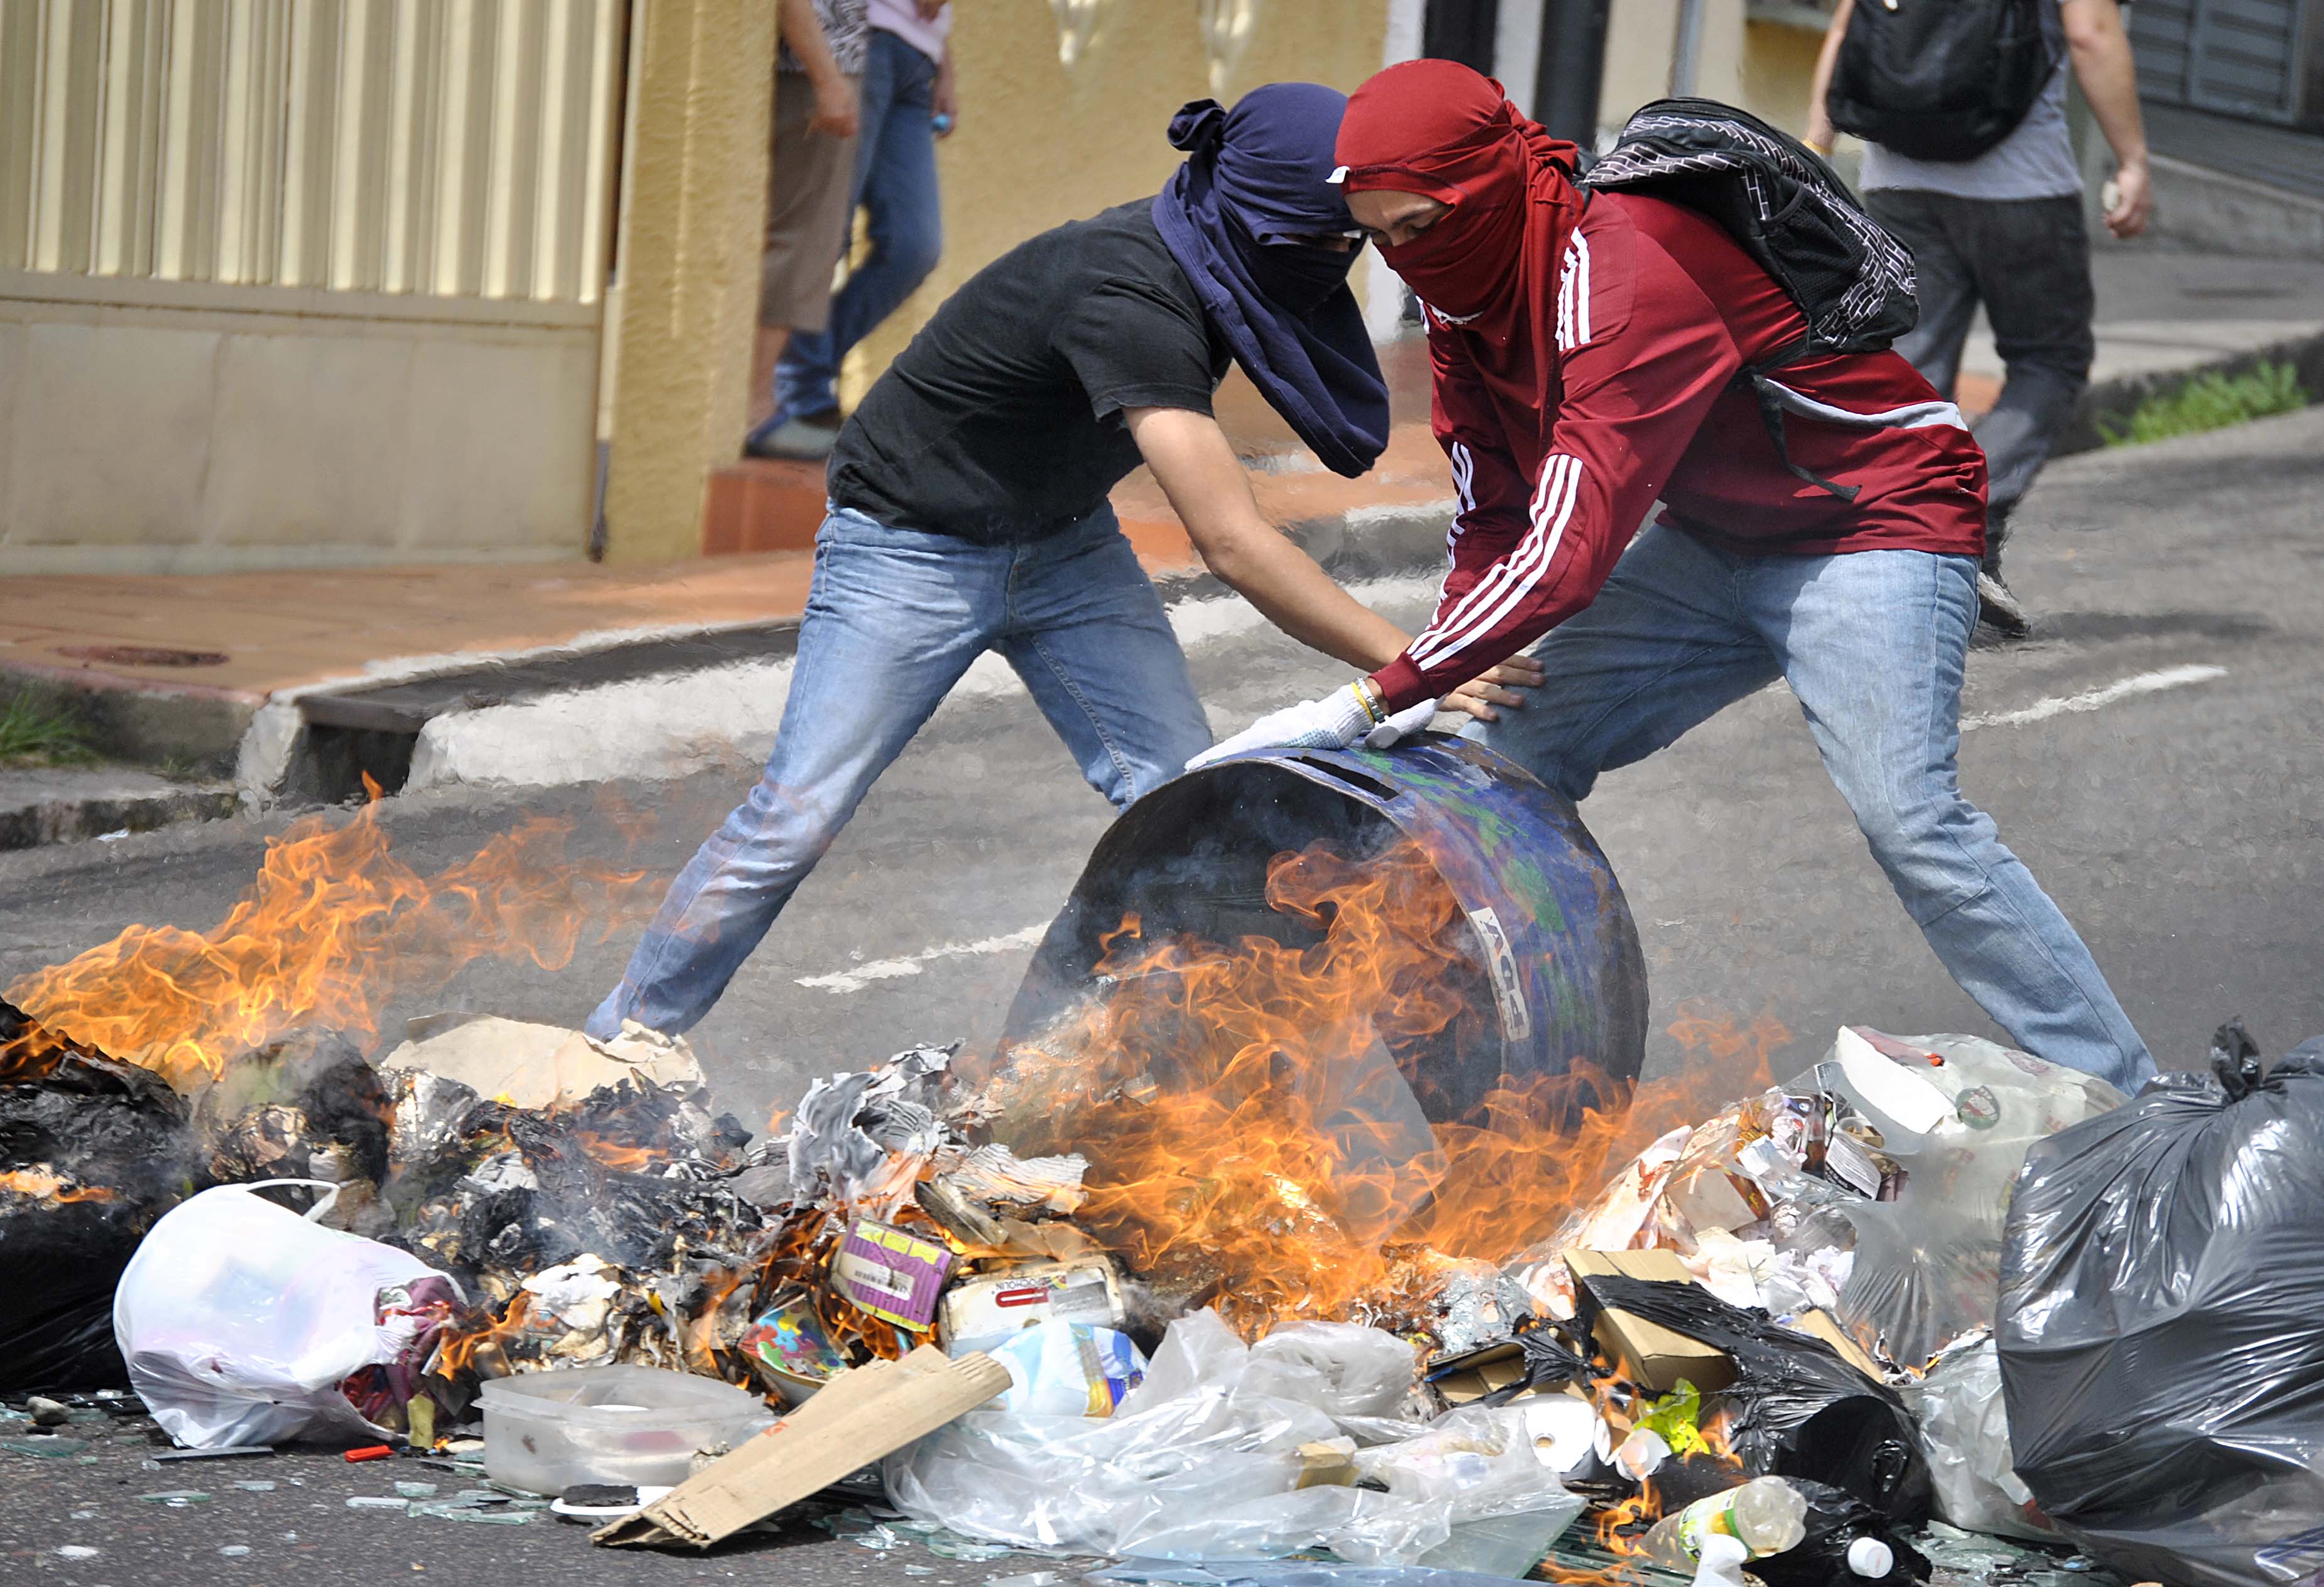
point(1501, 964)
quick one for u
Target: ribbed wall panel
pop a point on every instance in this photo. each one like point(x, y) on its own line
point(440, 148)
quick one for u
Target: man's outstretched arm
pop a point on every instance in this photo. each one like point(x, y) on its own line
point(1197, 469)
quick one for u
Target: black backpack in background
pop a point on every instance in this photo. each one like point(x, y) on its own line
point(1793, 216)
point(1941, 80)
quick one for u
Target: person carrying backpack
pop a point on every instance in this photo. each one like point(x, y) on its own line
point(1968, 162)
point(1593, 352)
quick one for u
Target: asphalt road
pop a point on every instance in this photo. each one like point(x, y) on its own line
point(2153, 754)
point(113, 1516)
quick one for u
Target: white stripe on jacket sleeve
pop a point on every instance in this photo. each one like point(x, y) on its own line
point(1507, 585)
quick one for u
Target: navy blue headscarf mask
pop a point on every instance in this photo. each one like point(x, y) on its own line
point(1258, 176)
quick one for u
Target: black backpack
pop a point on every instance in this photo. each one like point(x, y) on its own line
point(1941, 80)
point(1793, 216)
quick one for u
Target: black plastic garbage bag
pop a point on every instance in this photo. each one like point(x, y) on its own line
point(1834, 1520)
point(92, 1151)
point(1797, 1408)
point(2162, 1325)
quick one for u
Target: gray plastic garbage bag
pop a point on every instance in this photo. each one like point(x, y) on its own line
point(2161, 1328)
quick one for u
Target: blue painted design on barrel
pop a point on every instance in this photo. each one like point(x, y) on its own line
point(1550, 925)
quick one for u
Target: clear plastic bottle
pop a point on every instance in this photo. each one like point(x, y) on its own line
point(1766, 1515)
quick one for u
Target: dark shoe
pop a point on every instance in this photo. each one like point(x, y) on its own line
point(794, 440)
point(1999, 610)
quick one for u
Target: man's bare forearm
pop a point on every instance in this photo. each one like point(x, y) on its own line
point(802, 32)
point(1199, 472)
point(2108, 74)
point(1820, 135)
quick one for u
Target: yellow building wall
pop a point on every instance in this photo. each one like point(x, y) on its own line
point(1779, 61)
point(693, 222)
point(1041, 142)
point(1761, 57)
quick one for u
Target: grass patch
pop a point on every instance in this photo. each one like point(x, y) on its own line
point(2209, 402)
point(31, 732)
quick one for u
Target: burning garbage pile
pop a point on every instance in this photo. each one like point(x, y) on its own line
point(1203, 1266)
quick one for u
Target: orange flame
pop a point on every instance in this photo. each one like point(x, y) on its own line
point(620, 1157)
point(333, 928)
point(1235, 1152)
point(462, 1346)
point(1617, 1522)
point(48, 1185)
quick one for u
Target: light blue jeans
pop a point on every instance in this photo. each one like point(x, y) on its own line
point(1872, 644)
point(894, 617)
point(903, 219)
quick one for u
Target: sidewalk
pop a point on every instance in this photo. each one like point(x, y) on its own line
point(303, 679)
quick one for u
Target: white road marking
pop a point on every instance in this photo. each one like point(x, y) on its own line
point(855, 979)
point(2143, 683)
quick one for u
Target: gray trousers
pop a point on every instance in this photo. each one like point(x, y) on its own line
point(2028, 262)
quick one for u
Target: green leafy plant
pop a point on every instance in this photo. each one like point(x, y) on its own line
point(31, 730)
point(2211, 402)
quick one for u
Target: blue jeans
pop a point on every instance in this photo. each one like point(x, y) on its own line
point(1872, 644)
point(896, 183)
point(894, 617)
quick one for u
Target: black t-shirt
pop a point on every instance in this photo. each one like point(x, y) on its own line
point(1002, 422)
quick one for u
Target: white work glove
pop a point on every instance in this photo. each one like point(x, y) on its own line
point(1332, 723)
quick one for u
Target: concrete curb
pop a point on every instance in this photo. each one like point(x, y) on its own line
point(2202, 206)
point(34, 818)
point(321, 744)
point(2114, 401)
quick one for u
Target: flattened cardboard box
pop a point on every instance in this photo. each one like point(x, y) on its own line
point(1648, 1354)
point(1822, 1324)
point(859, 1417)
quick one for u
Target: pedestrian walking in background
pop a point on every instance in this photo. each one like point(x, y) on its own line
point(1968, 163)
point(908, 102)
point(810, 173)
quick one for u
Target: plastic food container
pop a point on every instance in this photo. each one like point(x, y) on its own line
point(546, 1431)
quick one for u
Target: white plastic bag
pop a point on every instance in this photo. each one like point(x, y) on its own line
point(239, 1320)
point(1355, 1374)
point(1965, 1432)
point(1201, 1461)
point(1928, 1265)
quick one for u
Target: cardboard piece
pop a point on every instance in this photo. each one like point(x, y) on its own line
point(1028, 1295)
point(1648, 1354)
point(860, 1416)
point(1823, 1325)
point(1328, 1462)
point(1464, 1379)
point(894, 1276)
point(537, 1067)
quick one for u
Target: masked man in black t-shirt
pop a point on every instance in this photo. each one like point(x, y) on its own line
point(969, 512)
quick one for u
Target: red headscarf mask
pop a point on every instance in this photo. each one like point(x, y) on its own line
point(1490, 266)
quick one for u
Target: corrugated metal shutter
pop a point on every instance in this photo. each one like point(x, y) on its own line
point(451, 148)
point(2237, 56)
